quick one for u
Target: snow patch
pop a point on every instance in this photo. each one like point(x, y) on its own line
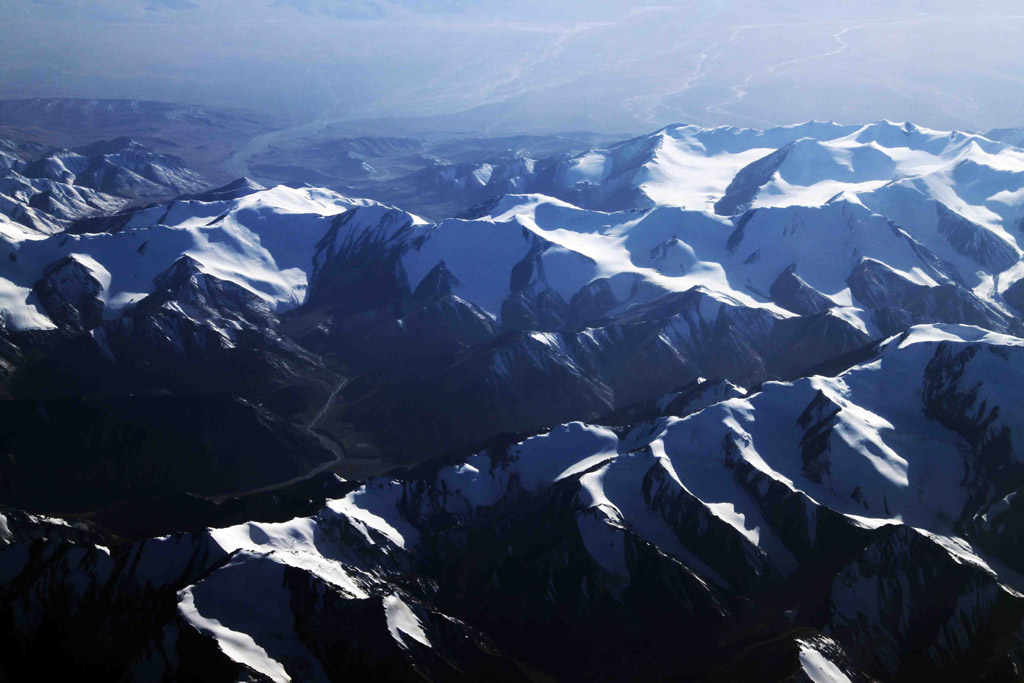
point(403, 622)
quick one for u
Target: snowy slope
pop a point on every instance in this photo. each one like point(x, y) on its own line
point(952, 192)
point(935, 208)
point(638, 301)
point(784, 370)
point(48, 190)
point(742, 491)
point(545, 309)
point(835, 276)
point(262, 241)
point(823, 528)
point(852, 442)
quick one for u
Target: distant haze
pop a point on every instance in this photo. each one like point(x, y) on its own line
point(530, 66)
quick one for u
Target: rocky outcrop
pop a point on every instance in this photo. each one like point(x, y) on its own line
point(746, 184)
point(976, 242)
point(793, 294)
point(71, 295)
point(898, 302)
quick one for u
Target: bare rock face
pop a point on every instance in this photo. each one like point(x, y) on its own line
point(793, 294)
point(898, 302)
point(745, 186)
point(1014, 295)
point(975, 242)
point(71, 294)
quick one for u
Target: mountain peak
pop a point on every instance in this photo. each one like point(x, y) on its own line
point(236, 189)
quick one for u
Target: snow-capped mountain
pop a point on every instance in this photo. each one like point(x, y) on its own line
point(730, 169)
point(721, 403)
point(813, 260)
point(532, 311)
point(797, 529)
point(48, 192)
point(182, 299)
point(935, 208)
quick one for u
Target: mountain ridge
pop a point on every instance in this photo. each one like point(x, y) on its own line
point(725, 404)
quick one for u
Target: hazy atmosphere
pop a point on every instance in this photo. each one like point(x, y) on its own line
point(606, 66)
point(498, 341)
